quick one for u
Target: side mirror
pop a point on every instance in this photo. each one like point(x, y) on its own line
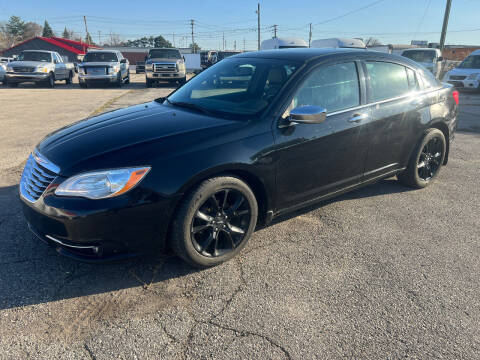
point(440, 58)
point(55, 61)
point(123, 61)
point(308, 114)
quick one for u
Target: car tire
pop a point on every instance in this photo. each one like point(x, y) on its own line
point(82, 84)
point(50, 82)
point(127, 79)
point(118, 83)
point(426, 160)
point(214, 221)
point(12, 84)
point(148, 82)
point(69, 79)
point(182, 81)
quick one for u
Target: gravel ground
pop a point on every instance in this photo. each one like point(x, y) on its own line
point(381, 273)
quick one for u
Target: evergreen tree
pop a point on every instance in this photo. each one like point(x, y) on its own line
point(47, 30)
point(66, 33)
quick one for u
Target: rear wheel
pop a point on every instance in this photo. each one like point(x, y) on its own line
point(214, 222)
point(426, 160)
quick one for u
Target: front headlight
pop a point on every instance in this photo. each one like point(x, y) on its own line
point(113, 69)
point(42, 69)
point(473, 76)
point(9, 68)
point(181, 66)
point(149, 66)
point(81, 70)
point(102, 184)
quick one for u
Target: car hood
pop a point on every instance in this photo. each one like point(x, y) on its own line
point(121, 130)
point(464, 72)
point(99, 63)
point(28, 63)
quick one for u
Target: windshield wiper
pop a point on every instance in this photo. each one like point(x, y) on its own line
point(191, 106)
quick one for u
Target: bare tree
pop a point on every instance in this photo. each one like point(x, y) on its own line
point(373, 42)
point(31, 30)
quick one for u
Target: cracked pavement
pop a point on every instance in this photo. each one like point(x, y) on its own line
point(381, 273)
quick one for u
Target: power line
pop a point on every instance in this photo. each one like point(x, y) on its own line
point(350, 12)
point(421, 19)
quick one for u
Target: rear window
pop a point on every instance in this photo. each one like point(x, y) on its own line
point(387, 80)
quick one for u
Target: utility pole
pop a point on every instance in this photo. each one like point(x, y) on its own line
point(235, 45)
point(223, 41)
point(193, 41)
point(445, 24)
point(258, 24)
point(310, 36)
point(99, 40)
point(275, 31)
point(173, 39)
point(244, 48)
point(86, 29)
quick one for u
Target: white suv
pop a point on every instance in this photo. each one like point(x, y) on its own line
point(467, 74)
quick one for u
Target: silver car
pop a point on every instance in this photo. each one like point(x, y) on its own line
point(103, 66)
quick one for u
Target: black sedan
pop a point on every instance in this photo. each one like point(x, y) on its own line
point(255, 136)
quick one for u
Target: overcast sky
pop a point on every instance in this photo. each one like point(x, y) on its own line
point(390, 21)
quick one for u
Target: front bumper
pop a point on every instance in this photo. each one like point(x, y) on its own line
point(100, 230)
point(164, 75)
point(465, 84)
point(24, 77)
point(98, 78)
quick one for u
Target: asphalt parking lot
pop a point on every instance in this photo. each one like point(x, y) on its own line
point(381, 273)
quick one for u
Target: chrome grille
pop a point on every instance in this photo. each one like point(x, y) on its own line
point(36, 177)
point(164, 67)
point(457, 77)
point(23, 69)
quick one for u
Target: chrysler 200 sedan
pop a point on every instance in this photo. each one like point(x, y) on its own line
point(254, 136)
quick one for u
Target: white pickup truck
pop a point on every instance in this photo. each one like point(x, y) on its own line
point(38, 66)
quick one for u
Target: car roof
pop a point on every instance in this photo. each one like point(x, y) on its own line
point(45, 51)
point(476, 52)
point(422, 49)
point(163, 49)
point(103, 51)
point(310, 54)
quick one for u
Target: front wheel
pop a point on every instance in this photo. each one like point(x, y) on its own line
point(50, 81)
point(69, 79)
point(426, 160)
point(127, 80)
point(214, 222)
point(148, 82)
point(182, 81)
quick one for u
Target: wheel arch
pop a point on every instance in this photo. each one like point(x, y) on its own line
point(244, 173)
point(440, 125)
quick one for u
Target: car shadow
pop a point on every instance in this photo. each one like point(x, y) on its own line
point(33, 273)
point(380, 188)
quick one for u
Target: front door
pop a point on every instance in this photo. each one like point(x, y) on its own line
point(318, 159)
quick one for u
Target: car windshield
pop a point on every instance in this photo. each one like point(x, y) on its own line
point(164, 54)
point(236, 86)
point(471, 62)
point(420, 55)
point(100, 57)
point(35, 56)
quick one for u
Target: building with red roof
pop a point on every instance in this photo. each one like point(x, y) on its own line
point(73, 50)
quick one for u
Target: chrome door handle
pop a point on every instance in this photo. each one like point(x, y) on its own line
point(357, 118)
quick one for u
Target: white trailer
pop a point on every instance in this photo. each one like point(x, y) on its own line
point(338, 43)
point(283, 43)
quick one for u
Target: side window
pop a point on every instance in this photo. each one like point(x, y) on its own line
point(59, 59)
point(387, 80)
point(333, 87)
point(429, 81)
point(412, 80)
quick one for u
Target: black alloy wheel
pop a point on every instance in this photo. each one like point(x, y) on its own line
point(214, 221)
point(426, 160)
point(429, 160)
point(220, 223)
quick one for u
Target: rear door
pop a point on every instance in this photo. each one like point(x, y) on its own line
point(398, 109)
point(318, 159)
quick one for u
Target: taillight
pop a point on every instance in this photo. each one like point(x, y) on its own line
point(455, 96)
